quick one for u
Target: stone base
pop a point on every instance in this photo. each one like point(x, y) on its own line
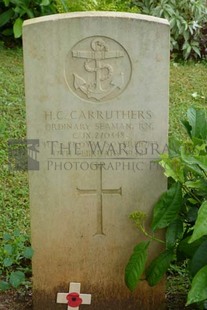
point(144, 298)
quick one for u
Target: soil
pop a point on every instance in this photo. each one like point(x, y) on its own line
point(177, 302)
point(11, 300)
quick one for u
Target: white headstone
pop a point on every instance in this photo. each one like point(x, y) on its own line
point(97, 100)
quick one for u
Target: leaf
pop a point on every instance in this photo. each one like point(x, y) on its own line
point(4, 286)
point(187, 126)
point(5, 17)
point(194, 163)
point(186, 250)
point(173, 168)
point(7, 32)
point(64, 5)
point(174, 147)
point(197, 50)
point(192, 212)
point(158, 267)
point(198, 122)
point(17, 28)
point(200, 184)
point(17, 233)
point(201, 161)
point(174, 233)
point(195, 169)
point(30, 13)
point(136, 265)
point(193, 201)
point(186, 35)
point(7, 262)
point(198, 291)
point(200, 228)
point(8, 248)
point(6, 2)
point(6, 237)
point(45, 2)
point(28, 252)
point(167, 208)
point(199, 259)
point(172, 23)
point(16, 278)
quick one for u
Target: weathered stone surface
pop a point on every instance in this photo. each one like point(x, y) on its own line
point(97, 99)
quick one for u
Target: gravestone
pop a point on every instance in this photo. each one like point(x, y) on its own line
point(96, 88)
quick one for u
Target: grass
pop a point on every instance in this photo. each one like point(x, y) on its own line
point(14, 200)
point(187, 88)
point(14, 185)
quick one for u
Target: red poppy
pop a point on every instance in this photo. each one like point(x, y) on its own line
point(74, 300)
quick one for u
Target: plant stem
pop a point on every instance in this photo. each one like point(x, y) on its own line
point(149, 236)
point(191, 194)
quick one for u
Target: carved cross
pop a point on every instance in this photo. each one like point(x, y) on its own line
point(74, 299)
point(99, 192)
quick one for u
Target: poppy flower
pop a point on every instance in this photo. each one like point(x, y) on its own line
point(74, 300)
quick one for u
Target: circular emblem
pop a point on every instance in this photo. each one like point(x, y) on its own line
point(97, 69)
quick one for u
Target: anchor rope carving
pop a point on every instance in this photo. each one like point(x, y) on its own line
point(107, 68)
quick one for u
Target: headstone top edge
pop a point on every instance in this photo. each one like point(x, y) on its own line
point(95, 14)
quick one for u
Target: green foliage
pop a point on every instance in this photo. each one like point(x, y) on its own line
point(13, 13)
point(187, 23)
point(199, 258)
point(167, 208)
point(201, 222)
point(182, 209)
point(174, 233)
point(64, 6)
point(15, 250)
point(187, 88)
point(95, 5)
point(136, 265)
point(198, 290)
point(159, 266)
point(15, 257)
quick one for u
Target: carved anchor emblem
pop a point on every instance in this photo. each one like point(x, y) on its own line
point(104, 82)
